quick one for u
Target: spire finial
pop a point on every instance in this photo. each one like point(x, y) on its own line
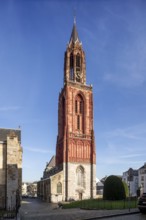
point(74, 35)
point(74, 16)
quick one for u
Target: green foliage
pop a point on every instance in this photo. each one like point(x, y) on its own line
point(114, 189)
point(100, 204)
point(126, 189)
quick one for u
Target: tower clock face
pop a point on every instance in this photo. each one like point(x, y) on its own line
point(78, 74)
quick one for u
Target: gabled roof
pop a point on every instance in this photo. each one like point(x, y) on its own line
point(144, 166)
point(51, 162)
point(6, 132)
point(74, 35)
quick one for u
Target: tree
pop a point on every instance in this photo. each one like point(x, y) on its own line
point(126, 189)
point(114, 188)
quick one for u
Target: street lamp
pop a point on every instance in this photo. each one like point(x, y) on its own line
point(129, 194)
point(141, 189)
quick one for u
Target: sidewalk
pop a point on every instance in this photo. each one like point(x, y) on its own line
point(74, 214)
point(36, 210)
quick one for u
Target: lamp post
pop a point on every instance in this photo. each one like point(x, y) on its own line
point(129, 194)
point(141, 189)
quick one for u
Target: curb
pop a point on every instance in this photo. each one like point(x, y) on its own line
point(112, 215)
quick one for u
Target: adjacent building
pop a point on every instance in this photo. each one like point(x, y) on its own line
point(142, 178)
point(71, 174)
point(10, 168)
point(29, 189)
point(131, 178)
point(99, 188)
point(24, 189)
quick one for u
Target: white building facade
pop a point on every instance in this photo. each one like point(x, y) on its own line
point(142, 178)
point(131, 178)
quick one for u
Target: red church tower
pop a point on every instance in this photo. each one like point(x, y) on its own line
point(75, 149)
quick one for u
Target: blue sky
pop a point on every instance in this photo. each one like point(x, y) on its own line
point(33, 39)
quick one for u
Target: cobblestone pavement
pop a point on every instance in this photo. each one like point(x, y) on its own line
point(33, 209)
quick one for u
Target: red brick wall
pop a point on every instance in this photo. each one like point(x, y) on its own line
point(73, 144)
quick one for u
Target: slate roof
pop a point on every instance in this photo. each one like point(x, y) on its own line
point(51, 162)
point(144, 166)
point(74, 35)
point(5, 132)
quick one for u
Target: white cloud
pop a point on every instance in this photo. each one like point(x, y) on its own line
point(120, 156)
point(133, 132)
point(38, 150)
point(128, 75)
point(123, 47)
point(124, 148)
point(9, 108)
point(128, 156)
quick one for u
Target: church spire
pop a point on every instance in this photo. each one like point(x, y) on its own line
point(74, 61)
point(74, 35)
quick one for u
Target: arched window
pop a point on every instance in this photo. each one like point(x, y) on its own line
point(71, 67)
point(59, 187)
point(63, 115)
point(79, 112)
point(78, 68)
point(80, 176)
point(76, 106)
point(81, 107)
point(78, 60)
point(78, 122)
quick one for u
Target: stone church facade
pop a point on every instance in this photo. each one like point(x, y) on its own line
point(71, 174)
point(10, 168)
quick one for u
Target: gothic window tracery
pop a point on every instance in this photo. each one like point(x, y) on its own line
point(78, 122)
point(79, 112)
point(63, 113)
point(78, 60)
point(71, 67)
point(59, 187)
point(81, 107)
point(76, 106)
point(78, 68)
point(80, 176)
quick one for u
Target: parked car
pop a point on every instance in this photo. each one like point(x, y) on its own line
point(142, 203)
